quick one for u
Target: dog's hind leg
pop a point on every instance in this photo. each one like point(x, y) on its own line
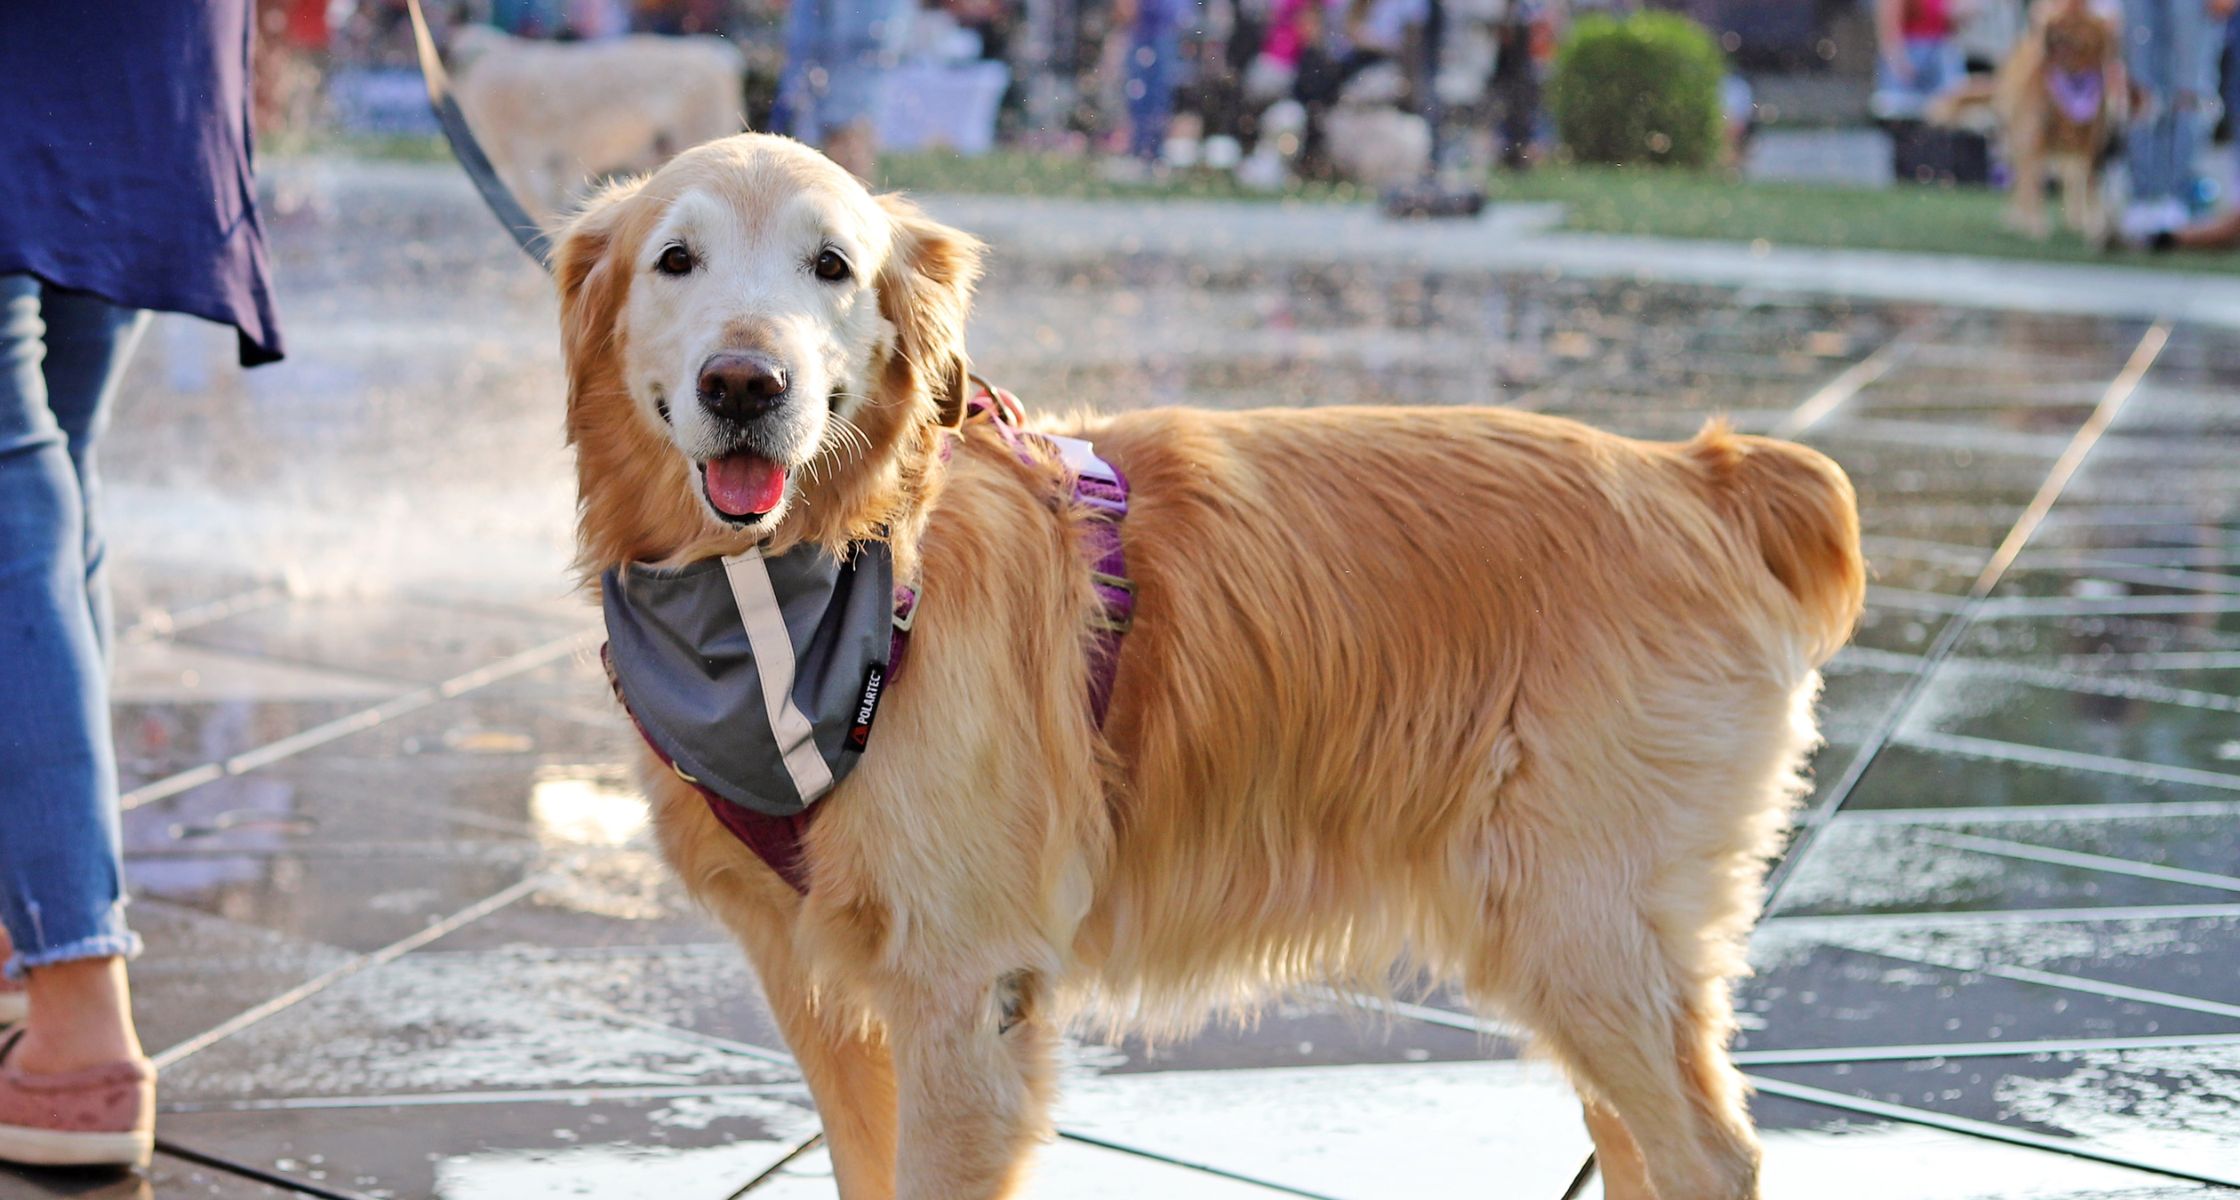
point(1624, 1175)
point(1644, 1045)
point(973, 1058)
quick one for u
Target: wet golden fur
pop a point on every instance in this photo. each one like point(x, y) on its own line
point(1458, 694)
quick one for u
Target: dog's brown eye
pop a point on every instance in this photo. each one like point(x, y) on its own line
point(676, 260)
point(831, 267)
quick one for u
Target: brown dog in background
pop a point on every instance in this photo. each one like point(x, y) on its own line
point(1457, 694)
point(2060, 98)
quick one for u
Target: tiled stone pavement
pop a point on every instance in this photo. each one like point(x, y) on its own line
point(406, 937)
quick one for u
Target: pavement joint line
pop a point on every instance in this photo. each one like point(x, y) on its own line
point(1969, 746)
point(1834, 1055)
point(218, 1162)
point(1913, 601)
point(575, 1095)
point(2156, 575)
point(1432, 1016)
point(1902, 432)
point(772, 1171)
point(1987, 1130)
point(358, 722)
point(2068, 681)
point(2021, 916)
point(2050, 814)
point(2065, 466)
point(1853, 379)
point(2027, 607)
point(2055, 979)
point(1188, 1164)
point(2092, 862)
point(2187, 559)
point(364, 962)
point(165, 623)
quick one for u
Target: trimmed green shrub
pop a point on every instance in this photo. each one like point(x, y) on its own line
point(1644, 89)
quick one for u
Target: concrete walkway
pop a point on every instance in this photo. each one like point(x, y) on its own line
point(1522, 237)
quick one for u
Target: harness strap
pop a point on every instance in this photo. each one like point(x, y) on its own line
point(1097, 486)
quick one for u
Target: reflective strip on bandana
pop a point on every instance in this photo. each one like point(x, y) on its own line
point(773, 652)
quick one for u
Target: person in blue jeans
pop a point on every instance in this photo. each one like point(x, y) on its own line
point(125, 130)
point(834, 78)
point(1152, 72)
point(2170, 52)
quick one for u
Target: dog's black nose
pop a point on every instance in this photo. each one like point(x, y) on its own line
point(740, 385)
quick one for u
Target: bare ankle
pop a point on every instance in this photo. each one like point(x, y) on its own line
point(81, 1016)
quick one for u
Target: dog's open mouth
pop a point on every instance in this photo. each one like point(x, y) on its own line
point(743, 487)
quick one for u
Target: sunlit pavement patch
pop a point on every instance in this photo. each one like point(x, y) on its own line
point(1365, 1132)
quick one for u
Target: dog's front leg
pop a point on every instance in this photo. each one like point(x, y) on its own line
point(972, 1063)
point(843, 1058)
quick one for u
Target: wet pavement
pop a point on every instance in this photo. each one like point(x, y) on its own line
point(407, 938)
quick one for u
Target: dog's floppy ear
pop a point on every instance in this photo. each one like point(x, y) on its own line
point(925, 292)
point(590, 282)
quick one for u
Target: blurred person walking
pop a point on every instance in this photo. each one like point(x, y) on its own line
point(2171, 49)
point(1918, 58)
point(835, 77)
point(1152, 73)
point(125, 127)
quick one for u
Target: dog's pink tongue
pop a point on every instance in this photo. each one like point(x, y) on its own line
point(745, 485)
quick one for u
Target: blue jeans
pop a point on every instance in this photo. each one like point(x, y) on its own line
point(1937, 64)
point(2170, 49)
point(834, 71)
point(61, 876)
point(1154, 65)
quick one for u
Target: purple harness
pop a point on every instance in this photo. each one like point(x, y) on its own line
point(1096, 485)
point(2076, 94)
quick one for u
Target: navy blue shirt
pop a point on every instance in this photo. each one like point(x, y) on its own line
point(125, 165)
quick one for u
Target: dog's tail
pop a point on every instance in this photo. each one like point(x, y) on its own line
point(1798, 506)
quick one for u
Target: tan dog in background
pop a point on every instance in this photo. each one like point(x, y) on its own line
point(1473, 695)
point(557, 117)
point(2040, 95)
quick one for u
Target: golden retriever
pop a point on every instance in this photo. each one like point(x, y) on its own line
point(1412, 694)
point(2060, 98)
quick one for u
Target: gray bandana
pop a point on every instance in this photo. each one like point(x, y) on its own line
point(758, 677)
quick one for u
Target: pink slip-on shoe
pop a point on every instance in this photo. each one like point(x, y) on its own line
point(101, 1116)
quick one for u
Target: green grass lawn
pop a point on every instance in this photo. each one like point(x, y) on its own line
point(1914, 218)
point(1651, 202)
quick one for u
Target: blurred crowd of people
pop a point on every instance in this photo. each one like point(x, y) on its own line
point(1339, 86)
